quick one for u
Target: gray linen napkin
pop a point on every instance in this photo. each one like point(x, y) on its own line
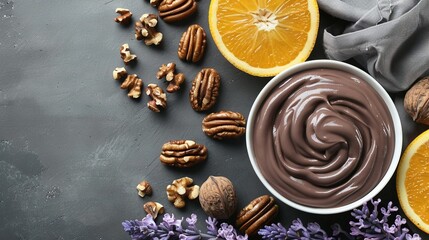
point(390, 38)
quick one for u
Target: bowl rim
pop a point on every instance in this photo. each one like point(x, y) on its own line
point(330, 64)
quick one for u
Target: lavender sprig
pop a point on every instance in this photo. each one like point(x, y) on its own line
point(369, 224)
point(296, 231)
point(172, 228)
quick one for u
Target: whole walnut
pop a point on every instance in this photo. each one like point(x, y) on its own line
point(218, 198)
point(416, 102)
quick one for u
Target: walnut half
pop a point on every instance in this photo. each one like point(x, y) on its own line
point(158, 98)
point(181, 189)
point(146, 29)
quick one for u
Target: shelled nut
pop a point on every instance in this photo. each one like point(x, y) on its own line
point(180, 189)
point(224, 124)
point(205, 89)
point(155, 3)
point(153, 208)
point(125, 16)
point(134, 85)
point(158, 98)
point(183, 153)
point(258, 213)
point(145, 29)
point(144, 188)
point(126, 55)
point(119, 73)
point(192, 44)
point(166, 71)
point(176, 10)
point(174, 80)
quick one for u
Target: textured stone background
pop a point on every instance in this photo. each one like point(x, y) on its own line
point(73, 146)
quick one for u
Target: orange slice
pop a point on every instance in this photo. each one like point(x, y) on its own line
point(412, 181)
point(264, 37)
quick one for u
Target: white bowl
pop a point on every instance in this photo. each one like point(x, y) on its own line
point(330, 64)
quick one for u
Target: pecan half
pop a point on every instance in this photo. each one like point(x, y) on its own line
point(192, 44)
point(182, 153)
point(258, 213)
point(176, 10)
point(159, 98)
point(224, 124)
point(205, 89)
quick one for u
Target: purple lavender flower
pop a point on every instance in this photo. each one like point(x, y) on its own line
point(273, 231)
point(370, 224)
point(172, 228)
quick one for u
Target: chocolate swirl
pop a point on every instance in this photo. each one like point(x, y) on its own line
point(323, 138)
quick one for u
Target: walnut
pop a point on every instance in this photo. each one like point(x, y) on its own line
point(192, 44)
point(176, 10)
point(134, 85)
point(146, 29)
point(153, 208)
point(224, 124)
point(125, 16)
point(159, 98)
point(416, 101)
point(126, 55)
point(205, 89)
point(166, 71)
point(183, 153)
point(217, 197)
point(181, 189)
point(155, 3)
point(258, 213)
point(119, 73)
point(144, 188)
point(175, 80)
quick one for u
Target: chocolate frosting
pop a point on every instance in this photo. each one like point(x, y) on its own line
point(323, 138)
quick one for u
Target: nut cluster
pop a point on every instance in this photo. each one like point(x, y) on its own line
point(218, 198)
point(176, 10)
point(158, 98)
point(126, 55)
point(183, 153)
point(205, 89)
point(192, 44)
point(258, 213)
point(145, 29)
point(416, 101)
point(174, 80)
point(125, 16)
point(181, 189)
point(224, 124)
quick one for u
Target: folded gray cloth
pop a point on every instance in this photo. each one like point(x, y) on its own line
point(390, 38)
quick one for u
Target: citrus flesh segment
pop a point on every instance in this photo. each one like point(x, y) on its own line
point(412, 181)
point(263, 37)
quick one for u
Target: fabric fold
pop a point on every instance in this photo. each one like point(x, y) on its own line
point(390, 38)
